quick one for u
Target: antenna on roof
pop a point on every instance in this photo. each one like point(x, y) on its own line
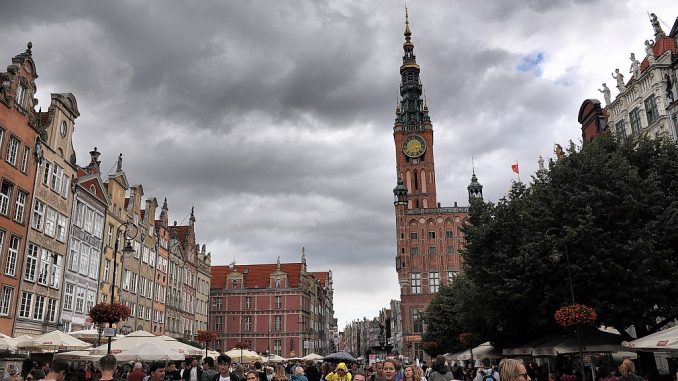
point(233, 262)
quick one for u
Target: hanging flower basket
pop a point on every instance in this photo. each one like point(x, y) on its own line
point(575, 315)
point(206, 336)
point(112, 313)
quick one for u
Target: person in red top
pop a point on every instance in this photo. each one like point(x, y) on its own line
point(137, 374)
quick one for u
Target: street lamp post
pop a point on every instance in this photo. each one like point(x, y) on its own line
point(555, 257)
point(128, 249)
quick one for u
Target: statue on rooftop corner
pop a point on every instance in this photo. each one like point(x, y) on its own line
point(606, 94)
point(635, 67)
point(658, 32)
point(620, 80)
point(649, 51)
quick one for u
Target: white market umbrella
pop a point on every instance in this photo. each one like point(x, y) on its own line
point(312, 357)
point(55, 340)
point(149, 351)
point(129, 341)
point(247, 355)
point(663, 340)
point(275, 358)
point(8, 344)
point(483, 350)
point(178, 346)
point(77, 356)
point(92, 335)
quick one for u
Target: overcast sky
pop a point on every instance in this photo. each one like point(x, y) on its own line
point(274, 118)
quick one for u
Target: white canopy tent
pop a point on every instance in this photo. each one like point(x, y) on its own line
point(77, 356)
point(54, 341)
point(275, 358)
point(312, 357)
point(247, 355)
point(180, 347)
point(149, 351)
point(483, 350)
point(665, 340)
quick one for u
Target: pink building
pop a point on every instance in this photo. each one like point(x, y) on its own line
point(275, 308)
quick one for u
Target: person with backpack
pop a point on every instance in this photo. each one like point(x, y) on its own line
point(486, 373)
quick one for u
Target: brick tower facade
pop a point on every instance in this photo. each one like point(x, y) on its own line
point(428, 235)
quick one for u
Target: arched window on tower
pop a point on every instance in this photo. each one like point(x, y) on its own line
point(416, 180)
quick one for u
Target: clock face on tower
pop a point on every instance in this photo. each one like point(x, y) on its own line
point(414, 146)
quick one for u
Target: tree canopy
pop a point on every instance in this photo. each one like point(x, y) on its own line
point(610, 208)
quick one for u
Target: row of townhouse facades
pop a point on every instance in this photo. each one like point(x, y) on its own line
point(60, 222)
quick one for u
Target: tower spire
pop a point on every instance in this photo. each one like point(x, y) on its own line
point(412, 111)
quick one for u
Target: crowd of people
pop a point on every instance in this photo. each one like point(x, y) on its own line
point(223, 369)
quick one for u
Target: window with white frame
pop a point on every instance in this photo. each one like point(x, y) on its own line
point(21, 96)
point(61, 228)
point(6, 300)
point(2, 139)
point(50, 222)
point(79, 299)
point(74, 257)
point(56, 272)
point(12, 255)
point(98, 225)
point(415, 283)
point(25, 306)
point(248, 302)
point(277, 322)
point(69, 293)
point(65, 182)
point(5, 195)
point(94, 263)
point(91, 299)
point(107, 270)
point(433, 281)
point(43, 274)
point(451, 275)
point(24, 159)
point(39, 307)
point(51, 310)
point(31, 262)
point(57, 176)
point(38, 214)
point(13, 150)
point(248, 323)
point(84, 258)
point(278, 302)
point(47, 172)
point(89, 220)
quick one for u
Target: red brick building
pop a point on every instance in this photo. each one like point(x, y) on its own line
point(278, 308)
point(428, 235)
point(19, 125)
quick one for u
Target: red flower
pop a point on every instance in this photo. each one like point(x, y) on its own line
point(206, 336)
point(576, 314)
point(112, 313)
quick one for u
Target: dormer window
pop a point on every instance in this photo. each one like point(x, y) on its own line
point(277, 283)
point(21, 94)
point(63, 129)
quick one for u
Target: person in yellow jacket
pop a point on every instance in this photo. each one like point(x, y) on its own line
point(340, 373)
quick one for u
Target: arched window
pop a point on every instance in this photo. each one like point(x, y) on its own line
point(416, 181)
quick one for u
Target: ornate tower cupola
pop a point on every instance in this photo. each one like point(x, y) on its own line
point(411, 111)
point(400, 193)
point(475, 189)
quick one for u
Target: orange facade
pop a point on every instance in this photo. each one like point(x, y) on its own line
point(18, 132)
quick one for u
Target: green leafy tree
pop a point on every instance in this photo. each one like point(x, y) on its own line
point(612, 208)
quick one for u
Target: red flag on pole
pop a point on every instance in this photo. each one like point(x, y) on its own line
point(514, 168)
